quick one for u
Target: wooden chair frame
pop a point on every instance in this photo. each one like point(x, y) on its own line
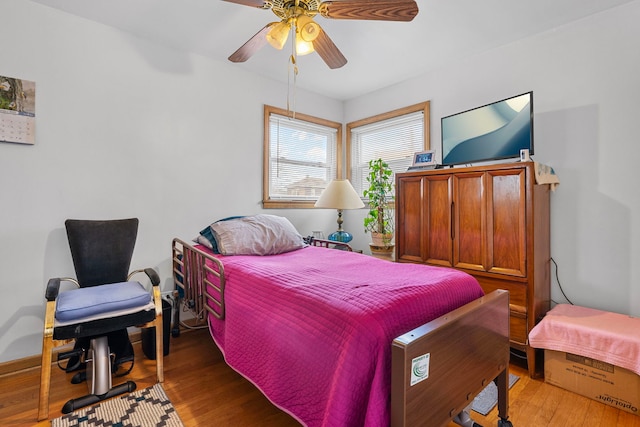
point(49, 343)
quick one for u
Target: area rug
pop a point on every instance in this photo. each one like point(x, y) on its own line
point(142, 408)
point(488, 398)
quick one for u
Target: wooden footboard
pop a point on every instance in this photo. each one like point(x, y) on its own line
point(449, 361)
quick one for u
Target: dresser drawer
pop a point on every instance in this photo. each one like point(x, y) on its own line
point(518, 332)
point(517, 290)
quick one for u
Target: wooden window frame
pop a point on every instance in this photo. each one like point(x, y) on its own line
point(267, 203)
point(422, 106)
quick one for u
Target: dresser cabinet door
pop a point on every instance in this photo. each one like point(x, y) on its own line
point(470, 213)
point(409, 219)
point(506, 233)
point(437, 233)
point(423, 210)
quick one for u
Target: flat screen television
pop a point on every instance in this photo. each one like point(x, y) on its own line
point(492, 132)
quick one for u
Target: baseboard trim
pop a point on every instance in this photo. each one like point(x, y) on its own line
point(32, 362)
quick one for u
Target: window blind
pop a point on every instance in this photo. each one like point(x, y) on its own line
point(302, 158)
point(394, 140)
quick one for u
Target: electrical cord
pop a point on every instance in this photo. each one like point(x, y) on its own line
point(518, 355)
point(188, 308)
point(559, 284)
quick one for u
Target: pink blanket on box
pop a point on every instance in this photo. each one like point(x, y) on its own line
point(312, 328)
point(609, 337)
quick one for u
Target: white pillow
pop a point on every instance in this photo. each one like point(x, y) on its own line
point(200, 239)
point(257, 235)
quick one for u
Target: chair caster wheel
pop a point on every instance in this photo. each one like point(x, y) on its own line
point(504, 423)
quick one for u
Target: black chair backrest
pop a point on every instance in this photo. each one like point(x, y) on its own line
point(101, 250)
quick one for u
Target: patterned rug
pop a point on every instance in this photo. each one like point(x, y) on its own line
point(142, 408)
point(488, 398)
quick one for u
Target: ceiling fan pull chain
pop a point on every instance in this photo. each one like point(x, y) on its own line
point(295, 86)
point(291, 97)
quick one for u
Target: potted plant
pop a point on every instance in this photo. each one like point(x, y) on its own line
point(379, 220)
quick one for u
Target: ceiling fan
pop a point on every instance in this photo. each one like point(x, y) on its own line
point(298, 15)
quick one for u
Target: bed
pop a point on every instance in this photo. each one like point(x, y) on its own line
point(337, 338)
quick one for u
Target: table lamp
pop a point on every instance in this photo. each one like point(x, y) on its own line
point(340, 195)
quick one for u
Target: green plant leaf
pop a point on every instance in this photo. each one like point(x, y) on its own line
point(379, 219)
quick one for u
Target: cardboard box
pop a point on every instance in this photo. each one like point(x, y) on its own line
point(606, 383)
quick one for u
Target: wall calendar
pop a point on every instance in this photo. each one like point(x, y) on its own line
point(17, 110)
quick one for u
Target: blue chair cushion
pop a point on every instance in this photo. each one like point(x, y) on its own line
point(81, 303)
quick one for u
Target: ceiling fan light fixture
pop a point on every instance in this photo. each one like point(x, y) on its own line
point(303, 47)
point(308, 28)
point(297, 15)
point(278, 34)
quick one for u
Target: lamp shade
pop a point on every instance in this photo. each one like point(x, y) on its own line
point(278, 34)
point(339, 194)
point(303, 47)
point(307, 28)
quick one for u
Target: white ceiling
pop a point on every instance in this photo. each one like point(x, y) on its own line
point(379, 53)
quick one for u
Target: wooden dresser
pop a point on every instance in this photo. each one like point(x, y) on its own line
point(489, 221)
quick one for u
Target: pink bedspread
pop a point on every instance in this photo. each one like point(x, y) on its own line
point(609, 337)
point(312, 328)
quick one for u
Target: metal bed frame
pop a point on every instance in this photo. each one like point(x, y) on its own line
point(467, 348)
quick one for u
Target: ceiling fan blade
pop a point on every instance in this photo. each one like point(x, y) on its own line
point(253, 45)
point(379, 10)
point(328, 51)
point(253, 3)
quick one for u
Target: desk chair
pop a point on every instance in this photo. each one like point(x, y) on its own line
point(105, 301)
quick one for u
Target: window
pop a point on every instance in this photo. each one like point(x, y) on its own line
point(301, 156)
point(394, 136)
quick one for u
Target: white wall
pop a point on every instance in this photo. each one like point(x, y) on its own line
point(585, 78)
point(129, 128)
point(123, 128)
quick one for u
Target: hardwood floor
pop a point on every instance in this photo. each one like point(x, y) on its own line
point(205, 391)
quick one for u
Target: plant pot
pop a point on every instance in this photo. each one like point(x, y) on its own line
point(383, 252)
point(380, 239)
